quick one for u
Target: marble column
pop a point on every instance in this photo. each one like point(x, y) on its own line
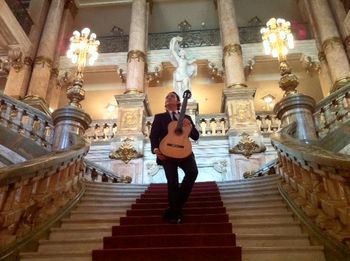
point(339, 14)
point(46, 53)
point(232, 51)
point(324, 76)
point(18, 78)
point(137, 48)
point(54, 91)
point(332, 44)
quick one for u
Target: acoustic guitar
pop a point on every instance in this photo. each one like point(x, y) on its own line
point(176, 143)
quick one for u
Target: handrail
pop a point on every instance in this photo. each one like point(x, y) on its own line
point(309, 154)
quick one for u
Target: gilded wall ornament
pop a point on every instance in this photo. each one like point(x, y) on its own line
point(333, 42)
point(126, 152)
point(231, 49)
point(136, 54)
point(322, 57)
point(43, 60)
point(247, 146)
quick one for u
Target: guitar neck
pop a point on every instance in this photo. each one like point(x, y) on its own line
point(182, 113)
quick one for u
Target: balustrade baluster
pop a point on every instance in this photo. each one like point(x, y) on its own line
point(17, 122)
point(28, 126)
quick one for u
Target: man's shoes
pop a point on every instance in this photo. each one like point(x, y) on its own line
point(171, 217)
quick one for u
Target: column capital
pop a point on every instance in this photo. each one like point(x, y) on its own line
point(43, 61)
point(332, 42)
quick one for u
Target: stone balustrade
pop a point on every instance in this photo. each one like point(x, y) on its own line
point(95, 172)
point(27, 121)
point(267, 122)
point(332, 111)
point(318, 181)
point(101, 130)
point(31, 193)
point(207, 125)
point(212, 124)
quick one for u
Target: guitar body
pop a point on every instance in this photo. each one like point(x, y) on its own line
point(176, 145)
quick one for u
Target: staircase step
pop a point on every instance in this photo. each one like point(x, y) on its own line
point(171, 229)
point(186, 211)
point(204, 218)
point(118, 194)
point(97, 214)
point(165, 199)
point(254, 199)
point(267, 228)
point(272, 240)
point(163, 205)
point(69, 245)
point(110, 205)
point(88, 223)
point(169, 254)
point(258, 218)
point(289, 253)
point(76, 233)
point(76, 256)
point(258, 205)
point(193, 194)
point(172, 240)
point(266, 207)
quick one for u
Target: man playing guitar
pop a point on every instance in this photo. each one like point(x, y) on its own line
point(177, 195)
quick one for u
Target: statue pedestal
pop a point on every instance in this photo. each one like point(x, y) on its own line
point(245, 140)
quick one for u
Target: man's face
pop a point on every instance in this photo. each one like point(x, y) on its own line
point(171, 99)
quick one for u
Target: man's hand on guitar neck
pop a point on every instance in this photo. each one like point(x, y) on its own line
point(159, 154)
point(187, 122)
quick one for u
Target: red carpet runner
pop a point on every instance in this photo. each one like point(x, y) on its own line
point(204, 235)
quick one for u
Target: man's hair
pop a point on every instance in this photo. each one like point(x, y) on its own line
point(178, 98)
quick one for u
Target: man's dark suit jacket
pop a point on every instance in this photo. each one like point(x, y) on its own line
point(160, 130)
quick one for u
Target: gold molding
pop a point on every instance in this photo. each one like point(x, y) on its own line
point(340, 83)
point(247, 146)
point(54, 72)
point(332, 42)
point(237, 85)
point(231, 49)
point(136, 54)
point(126, 152)
point(322, 57)
point(43, 60)
point(132, 91)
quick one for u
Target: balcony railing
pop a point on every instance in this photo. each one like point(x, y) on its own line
point(20, 12)
point(193, 38)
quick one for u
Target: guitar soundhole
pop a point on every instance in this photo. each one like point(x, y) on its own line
point(178, 131)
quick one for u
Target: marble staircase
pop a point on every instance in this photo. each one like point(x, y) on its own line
point(264, 227)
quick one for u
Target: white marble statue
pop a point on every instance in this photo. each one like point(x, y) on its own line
point(185, 67)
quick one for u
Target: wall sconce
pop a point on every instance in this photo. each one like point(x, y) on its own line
point(268, 100)
point(111, 107)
